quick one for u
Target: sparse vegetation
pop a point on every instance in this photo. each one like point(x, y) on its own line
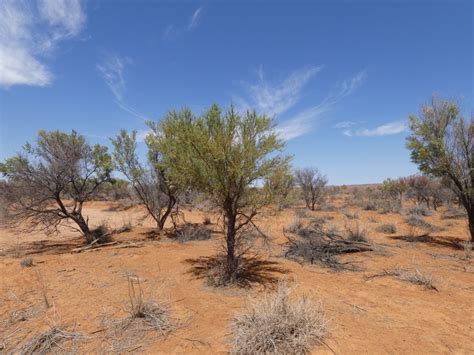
point(414, 277)
point(190, 231)
point(388, 228)
point(277, 325)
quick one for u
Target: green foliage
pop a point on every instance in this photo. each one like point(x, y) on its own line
point(442, 145)
point(225, 155)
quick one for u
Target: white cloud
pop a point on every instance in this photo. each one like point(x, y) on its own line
point(345, 124)
point(29, 32)
point(383, 130)
point(194, 21)
point(277, 98)
point(111, 68)
point(306, 120)
point(172, 31)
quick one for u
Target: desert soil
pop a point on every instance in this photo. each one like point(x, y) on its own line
point(380, 315)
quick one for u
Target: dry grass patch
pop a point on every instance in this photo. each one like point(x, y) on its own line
point(55, 339)
point(123, 335)
point(414, 277)
point(276, 325)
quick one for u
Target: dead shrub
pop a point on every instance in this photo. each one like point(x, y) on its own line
point(276, 325)
point(323, 246)
point(388, 228)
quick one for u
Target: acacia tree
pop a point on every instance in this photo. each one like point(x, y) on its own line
point(442, 145)
point(312, 184)
point(50, 182)
point(225, 156)
point(395, 189)
point(279, 184)
point(151, 183)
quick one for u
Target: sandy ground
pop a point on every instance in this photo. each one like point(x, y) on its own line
point(381, 315)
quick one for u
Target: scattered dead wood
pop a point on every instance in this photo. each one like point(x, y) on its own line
point(323, 247)
point(113, 245)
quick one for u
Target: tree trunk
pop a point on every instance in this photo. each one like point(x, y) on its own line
point(171, 202)
point(470, 216)
point(84, 227)
point(230, 244)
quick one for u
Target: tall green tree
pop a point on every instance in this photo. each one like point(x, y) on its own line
point(442, 145)
point(49, 182)
point(150, 182)
point(226, 156)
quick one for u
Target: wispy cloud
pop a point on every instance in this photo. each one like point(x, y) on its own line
point(276, 99)
point(111, 68)
point(390, 128)
point(172, 31)
point(194, 21)
point(30, 31)
point(308, 119)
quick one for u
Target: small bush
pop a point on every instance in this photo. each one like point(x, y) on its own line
point(275, 325)
point(419, 222)
point(355, 233)
point(191, 231)
point(302, 213)
point(101, 234)
point(369, 206)
point(419, 210)
point(351, 214)
point(388, 228)
point(27, 262)
point(295, 227)
point(453, 214)
point(467, 247)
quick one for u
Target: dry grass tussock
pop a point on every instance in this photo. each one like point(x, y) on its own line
point(124, 334)
point(277, 325)
point(55, 339)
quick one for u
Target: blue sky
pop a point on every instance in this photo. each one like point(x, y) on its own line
point(340, 77)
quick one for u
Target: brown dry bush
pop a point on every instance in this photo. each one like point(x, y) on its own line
point(276, 325)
